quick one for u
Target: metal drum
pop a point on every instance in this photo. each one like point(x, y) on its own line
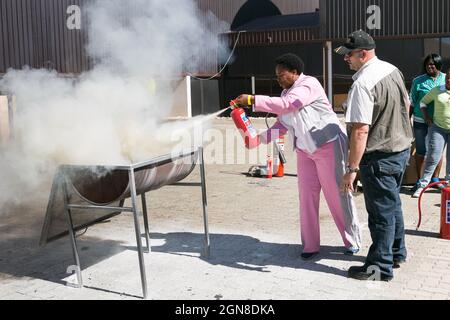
point(104, 186)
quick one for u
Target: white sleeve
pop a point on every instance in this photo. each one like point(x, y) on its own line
point(359, 105)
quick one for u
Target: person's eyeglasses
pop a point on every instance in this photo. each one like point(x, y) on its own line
point(281, 75)
point(431, 64)
point(351, 53)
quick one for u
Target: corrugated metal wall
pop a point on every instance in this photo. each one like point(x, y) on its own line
point(34, 33)
point(397, 18)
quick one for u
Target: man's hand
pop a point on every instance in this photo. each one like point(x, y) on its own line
point(347, 182)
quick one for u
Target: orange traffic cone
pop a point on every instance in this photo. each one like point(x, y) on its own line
point(280, 172)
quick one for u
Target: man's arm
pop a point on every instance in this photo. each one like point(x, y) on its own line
point(358, 142)
point(359, 117)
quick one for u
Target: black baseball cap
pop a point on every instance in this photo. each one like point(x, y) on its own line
point(356, 40)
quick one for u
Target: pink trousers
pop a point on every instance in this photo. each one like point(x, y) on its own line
point(323, 170)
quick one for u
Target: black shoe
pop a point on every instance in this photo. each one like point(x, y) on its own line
point(351, 251)
point(397, 263)
point(361, 273)
point(308, 255)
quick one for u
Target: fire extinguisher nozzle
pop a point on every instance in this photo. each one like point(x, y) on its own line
point(233, 104)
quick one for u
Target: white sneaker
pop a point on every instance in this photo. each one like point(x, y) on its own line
point(417, 193)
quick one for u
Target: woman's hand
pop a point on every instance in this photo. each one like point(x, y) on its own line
point(242, 100)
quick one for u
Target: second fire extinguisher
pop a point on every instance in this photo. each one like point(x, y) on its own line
point(445, 213)
point(278, 157)
point(444, 231)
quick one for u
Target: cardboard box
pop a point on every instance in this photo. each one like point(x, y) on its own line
point(410, 176)
point(338, 101)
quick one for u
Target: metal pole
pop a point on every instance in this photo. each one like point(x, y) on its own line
point(253, 90)
point(189, 96)
point(205, 203)
point(138, 232)
point(330, 71)
point(324, 65)
point(253, 85)
point(147, 233)
point(12, 113)
point(121, 209)
point(71, 232)
point(202, 98)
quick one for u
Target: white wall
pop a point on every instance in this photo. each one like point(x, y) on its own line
point(182, 107)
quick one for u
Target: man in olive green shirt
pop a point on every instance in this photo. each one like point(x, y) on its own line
point(439, 132)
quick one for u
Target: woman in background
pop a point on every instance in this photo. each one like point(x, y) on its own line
point(439, 131)
point(423, 117)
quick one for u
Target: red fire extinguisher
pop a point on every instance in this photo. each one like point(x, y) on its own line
point(245, 127)
point(444, 232)
point(445, 213)
point(279, 159)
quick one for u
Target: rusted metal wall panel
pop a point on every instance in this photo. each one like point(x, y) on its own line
point(385, 18)
point(64, 46)
point(34, 33)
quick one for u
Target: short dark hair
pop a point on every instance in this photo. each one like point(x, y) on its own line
point(435, 58)
point(291, 62)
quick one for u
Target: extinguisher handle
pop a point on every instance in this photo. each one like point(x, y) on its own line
point(233, 104)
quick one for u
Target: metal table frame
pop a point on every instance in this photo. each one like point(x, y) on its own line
point(134, 209)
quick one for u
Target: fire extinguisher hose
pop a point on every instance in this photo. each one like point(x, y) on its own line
point(280, 152)
point(420, 199)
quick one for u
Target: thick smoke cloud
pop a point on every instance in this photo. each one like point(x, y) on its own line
point(114, 113)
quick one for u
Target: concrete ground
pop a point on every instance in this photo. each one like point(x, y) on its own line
point(255, 247)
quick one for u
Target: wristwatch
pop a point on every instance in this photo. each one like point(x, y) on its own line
point(349, 169)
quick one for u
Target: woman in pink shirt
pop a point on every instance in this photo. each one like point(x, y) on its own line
point(304, 111)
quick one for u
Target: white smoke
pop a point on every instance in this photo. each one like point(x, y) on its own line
point(112, 114)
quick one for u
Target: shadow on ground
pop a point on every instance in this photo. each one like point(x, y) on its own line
point(21, 255)
point(249, 253)
point(419, 233)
